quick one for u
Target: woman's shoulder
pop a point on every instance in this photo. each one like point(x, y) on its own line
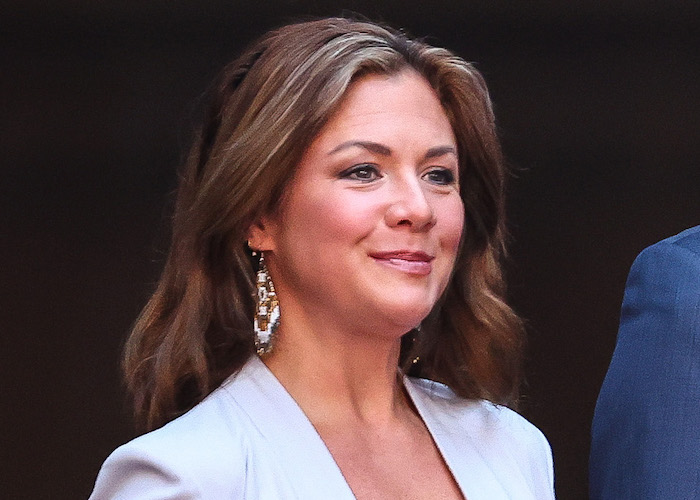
point(486, 444)
point(478, 414)
point(197, 454)
point(212, 425)
point(494, 429)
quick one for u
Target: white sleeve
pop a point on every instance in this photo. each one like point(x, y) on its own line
point(546, 462)
point(535, 455)
point(130, 472)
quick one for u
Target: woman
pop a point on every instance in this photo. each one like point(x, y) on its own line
point(342, 214)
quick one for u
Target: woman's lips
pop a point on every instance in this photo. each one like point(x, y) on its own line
point(417, 263)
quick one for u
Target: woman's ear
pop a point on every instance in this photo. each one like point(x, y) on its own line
point(260, 236)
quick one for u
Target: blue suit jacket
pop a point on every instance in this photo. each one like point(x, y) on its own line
point(646, 428)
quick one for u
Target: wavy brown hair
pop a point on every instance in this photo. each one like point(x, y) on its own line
point(268, 105)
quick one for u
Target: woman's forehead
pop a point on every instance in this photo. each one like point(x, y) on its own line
point(382, 110)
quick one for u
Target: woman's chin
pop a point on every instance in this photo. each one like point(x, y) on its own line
point(406, 318)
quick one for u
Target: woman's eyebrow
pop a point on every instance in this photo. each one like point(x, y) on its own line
point(380, 149)
point(440, 151)
point(373, 147)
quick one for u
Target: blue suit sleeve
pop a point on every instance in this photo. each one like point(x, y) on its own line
point(646, 428)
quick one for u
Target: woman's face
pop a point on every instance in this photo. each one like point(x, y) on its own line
point(369, 227)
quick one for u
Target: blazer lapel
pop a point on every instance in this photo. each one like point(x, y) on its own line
point(301, 452)
point(461, 446)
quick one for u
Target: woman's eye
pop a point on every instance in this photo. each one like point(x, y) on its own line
point(440, 176)
point(363, 173)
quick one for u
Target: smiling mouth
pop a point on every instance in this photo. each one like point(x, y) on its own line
point(416, 263)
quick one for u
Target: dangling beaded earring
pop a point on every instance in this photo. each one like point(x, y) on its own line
point(267, 310)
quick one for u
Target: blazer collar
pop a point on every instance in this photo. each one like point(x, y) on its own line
point(457, 429)
point(456, 426)
point(280, 421)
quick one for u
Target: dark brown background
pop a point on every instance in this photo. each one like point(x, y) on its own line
point(598, 104)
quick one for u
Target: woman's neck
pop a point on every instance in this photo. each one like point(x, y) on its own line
point(338, 376)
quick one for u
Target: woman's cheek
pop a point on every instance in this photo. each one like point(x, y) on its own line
point(454, 225)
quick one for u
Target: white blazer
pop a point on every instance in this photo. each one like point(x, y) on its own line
point(250, 440)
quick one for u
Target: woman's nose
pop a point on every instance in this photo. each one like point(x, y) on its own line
point(410, 207)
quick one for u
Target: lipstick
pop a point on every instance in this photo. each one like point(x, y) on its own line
point(410, 262)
